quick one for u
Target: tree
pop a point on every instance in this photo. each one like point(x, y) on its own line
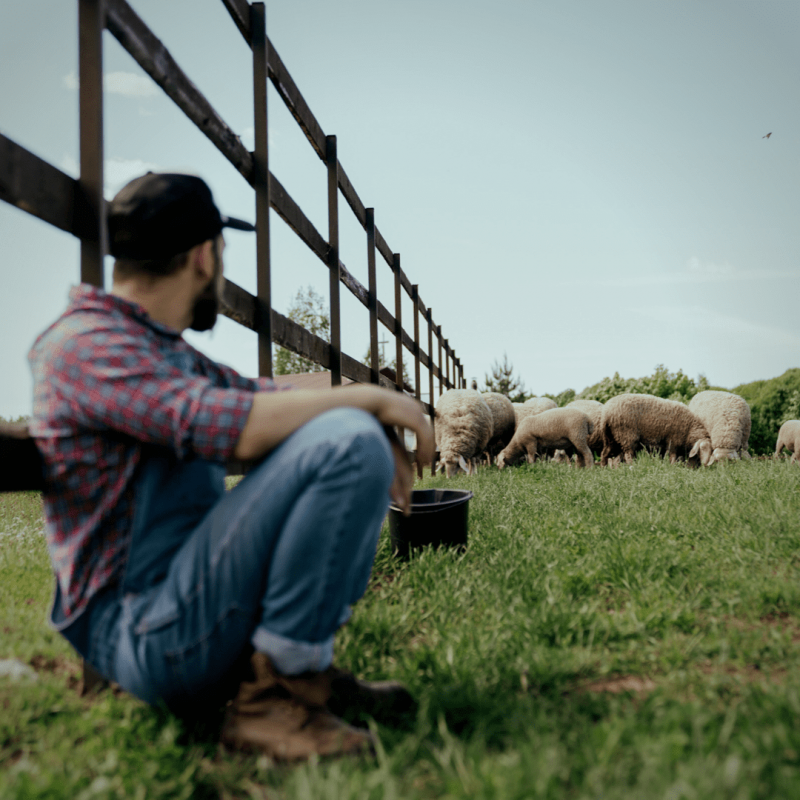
point(502, 380)
point(662, 383)
point(772, 402)
point(309, 310)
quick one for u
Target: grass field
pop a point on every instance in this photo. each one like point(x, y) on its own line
point(609, 633)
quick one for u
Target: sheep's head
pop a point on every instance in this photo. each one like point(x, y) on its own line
point(508, 457)
point(702, 449)
point(452, 465)
point(723, 454)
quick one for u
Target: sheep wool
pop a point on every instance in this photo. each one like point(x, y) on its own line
point(594, 410)
point(463, 426)
point(789, 437)
point(540, 404)
point(504, 421)
point(727, 419)
point(558, 427)
point(634, 421)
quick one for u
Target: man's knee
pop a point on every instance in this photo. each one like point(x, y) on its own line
point(360, 436)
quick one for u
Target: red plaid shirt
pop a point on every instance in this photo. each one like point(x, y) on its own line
point(108, 378)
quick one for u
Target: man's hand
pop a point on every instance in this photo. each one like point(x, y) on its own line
point(276, 415)
point(403, 483)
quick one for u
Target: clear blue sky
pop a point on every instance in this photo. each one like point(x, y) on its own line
point(583, 186)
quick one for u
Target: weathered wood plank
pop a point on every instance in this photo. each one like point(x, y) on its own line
point(293, 216)
point(33, 185)
point(132, 33)
point(295, 102)
point(240, 13)
point(351, 196)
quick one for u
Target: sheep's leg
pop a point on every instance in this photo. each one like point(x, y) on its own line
point(584, 458)
point(779, 449)
point(629, 455)
point(531, 449)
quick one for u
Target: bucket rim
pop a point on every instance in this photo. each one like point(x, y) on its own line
point(465, 495)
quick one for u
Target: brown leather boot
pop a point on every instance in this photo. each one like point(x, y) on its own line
point(287, 718)
point(351, 697)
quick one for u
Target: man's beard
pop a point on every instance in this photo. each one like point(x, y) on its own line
point(206, 307)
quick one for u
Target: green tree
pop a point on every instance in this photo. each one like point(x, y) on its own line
point(309, 310)
point(504, 381)
point(562, 398)
point(772, 402)
point(662, 383)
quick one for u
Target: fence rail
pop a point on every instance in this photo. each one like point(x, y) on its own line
point(78, 207)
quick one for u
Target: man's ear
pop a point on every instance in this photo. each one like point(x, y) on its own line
point(201, 260)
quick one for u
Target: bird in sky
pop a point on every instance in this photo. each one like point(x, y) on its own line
point(767, 136)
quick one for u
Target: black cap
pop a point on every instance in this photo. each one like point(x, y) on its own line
point(162, 214)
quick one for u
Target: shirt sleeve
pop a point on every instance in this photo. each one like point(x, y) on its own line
point(226, 376)
point(112, 378)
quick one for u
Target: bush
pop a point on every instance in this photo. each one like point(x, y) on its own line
point(772, 402)
point(662, 383)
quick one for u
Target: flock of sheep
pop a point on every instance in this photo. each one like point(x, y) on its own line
point(486, 427)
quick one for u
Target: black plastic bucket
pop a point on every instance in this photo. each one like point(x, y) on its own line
point(438, 518)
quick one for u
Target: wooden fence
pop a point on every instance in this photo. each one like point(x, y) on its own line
point(78, 207)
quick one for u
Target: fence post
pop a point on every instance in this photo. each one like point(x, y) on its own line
point(429, 317)
point(333, 259)
point(447, 362)
point(91, 23)
point(258, 29)
point(374, 355)
point(439, 339)
point(417, 365)
point(398, 323)
point(398, 335)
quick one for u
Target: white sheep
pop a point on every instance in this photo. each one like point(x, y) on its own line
point(633, 421)
point(594, 410)
point(504, 422)
point(789, 437)
point(557, 427)
point(463, 425)
point(727, 420)
point(541, 403)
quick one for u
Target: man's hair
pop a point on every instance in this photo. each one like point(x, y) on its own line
point(126, 268)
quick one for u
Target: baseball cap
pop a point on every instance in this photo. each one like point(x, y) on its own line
point(162, 214)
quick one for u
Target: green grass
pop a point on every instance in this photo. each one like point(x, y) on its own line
point(680, 586)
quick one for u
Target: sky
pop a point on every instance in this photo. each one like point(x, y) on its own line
point(583, 187)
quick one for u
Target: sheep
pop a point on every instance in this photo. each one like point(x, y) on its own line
point(463, 427)
point(632, 421)
point(558, 427)
point(541, 404)
point(594, 410)
point(504, 420)
point(789, 437)
point(727, 419)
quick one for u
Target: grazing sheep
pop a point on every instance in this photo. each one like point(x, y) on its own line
point(789, 437)
point(633, 421)
point(594, 410)
point(504, 422)
point(558, 427)
point(727, 419)
point(541, 404)
point(463, 427)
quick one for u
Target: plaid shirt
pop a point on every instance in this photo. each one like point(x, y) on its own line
point(107, 379)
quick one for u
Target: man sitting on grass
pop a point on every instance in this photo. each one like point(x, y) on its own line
point(178, 591)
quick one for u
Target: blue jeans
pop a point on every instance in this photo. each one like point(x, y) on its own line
point(274, 564)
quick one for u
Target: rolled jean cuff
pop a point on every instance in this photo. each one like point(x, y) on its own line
point(291, 657)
